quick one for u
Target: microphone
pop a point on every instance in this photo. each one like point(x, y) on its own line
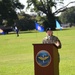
point(48, 37)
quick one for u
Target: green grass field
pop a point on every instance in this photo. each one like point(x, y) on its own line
point(16, 53)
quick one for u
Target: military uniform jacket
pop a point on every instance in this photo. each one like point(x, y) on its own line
point(51, 40)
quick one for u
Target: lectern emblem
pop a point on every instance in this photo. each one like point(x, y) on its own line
point(43, 58)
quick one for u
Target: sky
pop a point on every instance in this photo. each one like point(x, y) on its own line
point(65, 3)
point(24, 3)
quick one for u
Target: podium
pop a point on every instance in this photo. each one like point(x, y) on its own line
point(46, 59)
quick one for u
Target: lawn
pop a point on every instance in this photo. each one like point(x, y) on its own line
point(16, 53)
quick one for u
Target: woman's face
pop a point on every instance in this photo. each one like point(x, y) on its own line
point(49, 33)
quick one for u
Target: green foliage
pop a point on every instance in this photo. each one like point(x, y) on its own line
point(25, 22)
point(8, 10)
point(46, 7)
point(68, 16)
point(43, 5)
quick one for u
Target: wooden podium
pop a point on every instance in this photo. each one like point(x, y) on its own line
point(46, 59)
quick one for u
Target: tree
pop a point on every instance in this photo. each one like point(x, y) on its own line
point(68, 16)
point(25, 22)
point(46, 7)
point(8, 10)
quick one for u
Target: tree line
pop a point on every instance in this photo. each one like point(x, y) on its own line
point(9, 15)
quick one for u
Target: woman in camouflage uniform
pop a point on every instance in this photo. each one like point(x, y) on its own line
point(51, 39)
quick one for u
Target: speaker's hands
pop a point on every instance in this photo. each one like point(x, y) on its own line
point(57, 44)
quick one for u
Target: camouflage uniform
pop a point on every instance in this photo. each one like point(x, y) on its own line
point(51, 40)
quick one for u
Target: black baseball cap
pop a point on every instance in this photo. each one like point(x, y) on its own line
point(48, 29)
